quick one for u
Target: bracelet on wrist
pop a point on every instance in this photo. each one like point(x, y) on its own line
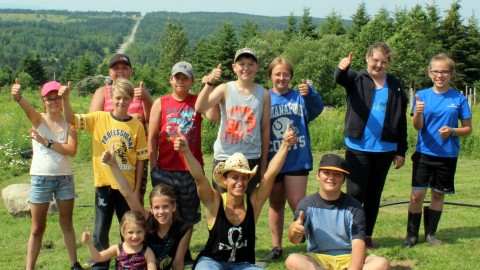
point(17, 100)
point(453, 132)
point(209, 83)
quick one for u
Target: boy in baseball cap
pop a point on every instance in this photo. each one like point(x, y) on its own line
point(334, 224)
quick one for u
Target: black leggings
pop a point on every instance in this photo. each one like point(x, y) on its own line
point(368, 172)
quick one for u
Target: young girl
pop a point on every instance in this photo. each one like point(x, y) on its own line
point(296, 108)
point(435, 114)
point(54, 142)
point(132, 253)
point(108, 129)
point(167, 236)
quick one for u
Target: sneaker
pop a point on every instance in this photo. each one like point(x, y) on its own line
point(275, 254)
point(409, 241)
point(76, 266)
point(432, 240)
point(369, 243)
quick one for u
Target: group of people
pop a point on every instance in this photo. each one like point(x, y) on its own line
point(262, 151)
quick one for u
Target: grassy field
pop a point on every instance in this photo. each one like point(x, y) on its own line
point(459, 226)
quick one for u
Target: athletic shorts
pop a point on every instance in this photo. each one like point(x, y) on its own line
point(188, 203)
point(339, 262)
point(437, 173)
point(44, 188)
point(281, 176)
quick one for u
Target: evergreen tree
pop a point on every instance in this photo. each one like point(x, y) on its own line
point(225, 44)
point(248, 31)
point(333, 25)
point(307, 28)
point(359, 20)
point(472, 64)
point(33, 66)
point(291, 29)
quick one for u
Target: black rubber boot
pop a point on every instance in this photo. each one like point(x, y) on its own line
point(432, 218)
point(413, 226)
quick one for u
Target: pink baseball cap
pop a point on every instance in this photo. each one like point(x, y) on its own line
point(49, 87)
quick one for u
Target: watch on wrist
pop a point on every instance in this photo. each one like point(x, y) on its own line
point(49, 144)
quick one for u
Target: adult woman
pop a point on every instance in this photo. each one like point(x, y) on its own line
point(231, 216)
point(53, 142)
point(436, 113)
point(375, 128)
point(296, 108)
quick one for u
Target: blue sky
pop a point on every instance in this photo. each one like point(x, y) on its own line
point(318, 8)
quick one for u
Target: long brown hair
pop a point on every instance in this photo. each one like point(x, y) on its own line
point(159, 191)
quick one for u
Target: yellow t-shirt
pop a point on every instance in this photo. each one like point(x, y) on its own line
point(127, 137)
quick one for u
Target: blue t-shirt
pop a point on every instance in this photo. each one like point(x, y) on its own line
point(440, 110)
point(371, 137)
point(296, 110)
point(330, 226)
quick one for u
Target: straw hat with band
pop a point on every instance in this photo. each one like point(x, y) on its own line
point(236, 162)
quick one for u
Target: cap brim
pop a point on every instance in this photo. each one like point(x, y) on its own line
point(333, 169)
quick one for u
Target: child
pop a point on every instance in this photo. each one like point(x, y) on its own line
point(232, 216)
point(53, 142)
point(170, 112)
point(296, 108)
point(334, 224)
point(436, 112)
point(167, 236)
point(127, 135)
point(245, 114)
point(132, 253)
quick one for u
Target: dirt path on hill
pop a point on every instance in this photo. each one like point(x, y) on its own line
point(131, 37)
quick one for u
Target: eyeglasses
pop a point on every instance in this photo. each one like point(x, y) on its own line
point(285, 75)
point(438, 72)
point(52, 100)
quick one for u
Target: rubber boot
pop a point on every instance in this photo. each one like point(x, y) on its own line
point(413, 226)
point(432, 218)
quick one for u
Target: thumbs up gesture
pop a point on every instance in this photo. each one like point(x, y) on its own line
point(108, 156)
point(64, 91)
point(419, 106)
point(139, 91)
point(346, 62)
point(297, 230)
point(181, 143)
point(303, 88)
point(215, 75)
point(290, 137)
point(16, 90)
point(86, 236)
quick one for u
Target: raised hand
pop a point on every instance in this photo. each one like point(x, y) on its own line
point(346, 62)
point(86, 236)
point(303, 88)
point(138, 92)
point(419, 105)
point(298, 230)
point(290, 137)
point(34, 135)
point(108, 156)
point(16, 90)
point(64, 91)
point(215, 75)
point(180, 143)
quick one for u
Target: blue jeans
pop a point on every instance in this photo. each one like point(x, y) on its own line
point(107, 201)
point(208, 263)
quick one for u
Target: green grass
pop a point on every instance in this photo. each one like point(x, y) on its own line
point(459, 226)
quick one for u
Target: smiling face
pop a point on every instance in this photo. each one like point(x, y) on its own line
point(52, 102)
point(377, 63)
point(331, 181)
point(440, 72)
point(181, 84)
point(281, 77)
point(133, 234)
point(236, 183)
point(162, 209)
point(245, 68)
point(120, 70)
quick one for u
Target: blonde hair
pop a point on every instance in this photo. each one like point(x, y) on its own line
point(280, 61)
point(442, 57)
point(381, 47)
point(133, 217)
point(123, 85)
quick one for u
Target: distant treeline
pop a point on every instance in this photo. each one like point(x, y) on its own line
point(206, 39)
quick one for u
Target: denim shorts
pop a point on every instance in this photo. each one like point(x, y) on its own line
point(45, 188)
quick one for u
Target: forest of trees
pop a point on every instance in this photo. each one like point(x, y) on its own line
point(80, 49)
